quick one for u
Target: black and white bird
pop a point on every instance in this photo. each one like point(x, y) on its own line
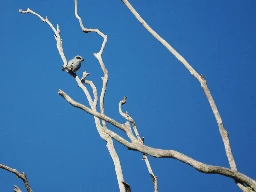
point(74, 64)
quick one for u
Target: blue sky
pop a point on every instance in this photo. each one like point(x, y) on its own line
point(58, 146)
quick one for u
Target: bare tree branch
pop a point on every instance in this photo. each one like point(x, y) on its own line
point(93, 104)
point(107, 138)
point(117, 164)
point(104, 79)
point(202, 81)
point(204, 168)
point(87, 30)
point(113, 154)
point(153, 176)
point(98, 56)
point(129, 132)
point(200, 78)
point(86, 92)
point(16, 189)
point(127, 187)
point(154, 152)
point(90, 111)
point(19, 175)
point(145, 158)
point(244, 182)
point(94, 89)
point(129, 118)
point(56, 33)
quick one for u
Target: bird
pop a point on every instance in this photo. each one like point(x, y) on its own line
point(74, 64)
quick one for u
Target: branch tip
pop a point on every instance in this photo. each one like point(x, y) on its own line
point(16, 189)
point(124, 100)
point(127, 187)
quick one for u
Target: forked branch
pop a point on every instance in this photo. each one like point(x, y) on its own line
point(92, 103)
point(98, 57)
point(154, 152)
point(145, 158)
point(101, 128)
point(202, 81)
point(137, 144)
point(22, 176)
point(193, 72)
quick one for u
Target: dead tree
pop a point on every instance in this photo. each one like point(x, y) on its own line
point(135, 142)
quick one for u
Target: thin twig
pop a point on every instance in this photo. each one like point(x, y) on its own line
point(16, 189)
point(56, 33)
point(145, 158)
point(129, 118)
point(98, 56)
point(94, 90)
point(84, 29)
point(86, 92)
point(129, 132)
point(19, 175)
point(153, 176)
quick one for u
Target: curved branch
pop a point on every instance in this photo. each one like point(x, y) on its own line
point(193, 72)
point(200, 78)
point(204, 168)
point(129, 118)
point(55, 30)
point(90, 111)
point(86, 92)
point(145, 158)
point(16, 189)
point(19, 175)
point(107, 138)
point(163, 153)
point(84, 29)
point(98, 56)
point(94, 91)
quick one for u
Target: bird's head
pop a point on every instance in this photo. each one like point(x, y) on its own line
point(78, 57)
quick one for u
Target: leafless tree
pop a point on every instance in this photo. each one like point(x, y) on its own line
point(135, 142)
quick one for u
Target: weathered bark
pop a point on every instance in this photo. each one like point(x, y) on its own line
point(22, 176)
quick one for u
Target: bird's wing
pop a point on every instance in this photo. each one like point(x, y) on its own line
point(70, 64)
point(77, 65)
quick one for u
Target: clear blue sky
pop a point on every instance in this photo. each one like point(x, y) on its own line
point(58, 146)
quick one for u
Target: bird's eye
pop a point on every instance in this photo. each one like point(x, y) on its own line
point(78, 57)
